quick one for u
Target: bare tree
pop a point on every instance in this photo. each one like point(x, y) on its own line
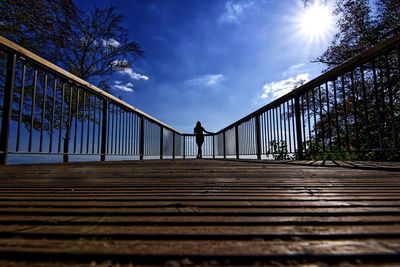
point(92, 45)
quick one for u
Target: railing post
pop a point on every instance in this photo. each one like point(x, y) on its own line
point(161, 142)
point(298, 128)
point(223, 139)
point(8, 94)
point(104, 130)
point(213, 145)
point(237, 141)
point(184, 146)
point(173, 145)
point(258, 137)
point(141, 138)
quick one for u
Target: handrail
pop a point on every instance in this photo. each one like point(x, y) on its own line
point(351, 109)
point(13, 47)
point(342, 68)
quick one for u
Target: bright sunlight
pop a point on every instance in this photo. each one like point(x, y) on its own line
point(316, 23)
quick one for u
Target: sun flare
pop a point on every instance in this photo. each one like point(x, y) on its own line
point(316, 22)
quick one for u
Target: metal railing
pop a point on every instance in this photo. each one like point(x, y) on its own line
point(352, 109)
point(48, 111)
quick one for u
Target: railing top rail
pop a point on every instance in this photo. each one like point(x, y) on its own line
point(328, 76)
point(11, 46)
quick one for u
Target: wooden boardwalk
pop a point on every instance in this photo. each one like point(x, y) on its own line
point(207, 212)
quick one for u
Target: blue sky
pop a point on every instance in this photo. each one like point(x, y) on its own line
point(213, 60)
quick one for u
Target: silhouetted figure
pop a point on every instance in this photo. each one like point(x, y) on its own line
point(198, 131)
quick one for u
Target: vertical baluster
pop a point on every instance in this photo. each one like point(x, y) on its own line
point(53, 111)
point(99, 125)
point(129, 127)
point(273, 111)
point(346, 127)
point(141, 139)
point(112, 111)
point(293, 124)
point(298, 129)
point(68, 127)
point(355, 111)
point(213, 145)
point(336, 117)
point(280, 126)
point(184, 146)
point(123, 132)
point(289, 130)
point(88, 123)
point(61, 117)
point(377, 105)
point(161, 142)
point(173, 145)
point(94, 123)
point(7, 106)
point(391, 105)
point(321, 118)
point(31, 126)
point(104, 132)
point(329, 117)
point(21, 107)
point(43, 113)
point(284, 127)
point(76, 117)
point(83, 119)
point(224, 141)
point(258, 135)
point(269, 130)
point(303, 118)
point(315, 121)
point(365, 106)
point(119, 130)
point(307, 146)
point(126, 132)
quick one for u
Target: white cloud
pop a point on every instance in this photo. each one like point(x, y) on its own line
point(208, 80)
point(274, 90)
point(294, 69)
point(234, 11)
point(119, 85)
point(111, 42)
point(134, 75)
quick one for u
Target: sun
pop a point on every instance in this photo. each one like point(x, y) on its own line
point(316, 22)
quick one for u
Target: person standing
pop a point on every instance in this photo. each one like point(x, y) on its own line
point(199, 132)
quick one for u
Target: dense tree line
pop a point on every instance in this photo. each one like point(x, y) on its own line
point(358, 114)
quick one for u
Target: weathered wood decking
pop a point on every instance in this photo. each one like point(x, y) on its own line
point(186, 212)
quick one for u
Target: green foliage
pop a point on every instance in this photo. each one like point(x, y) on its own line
point(360, 28)
point(278, 149)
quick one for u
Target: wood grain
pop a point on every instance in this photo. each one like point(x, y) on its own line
point(202, 212)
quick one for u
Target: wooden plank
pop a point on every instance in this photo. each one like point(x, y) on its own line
point(223, 203)
point(204, 248)
point(204, 231)
point(152, 212)
point(200, 220)
point(176, 211)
